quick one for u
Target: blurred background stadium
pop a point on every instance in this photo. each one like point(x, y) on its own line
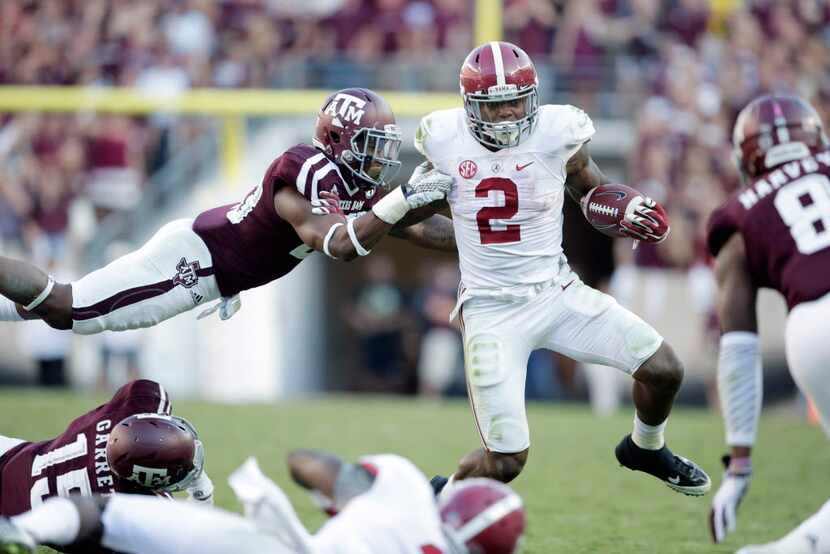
point(119, 115)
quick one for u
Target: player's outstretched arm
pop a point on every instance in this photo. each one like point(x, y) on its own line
point(739, 380)
point(436, 233)
point(345, 239)
point(334, 481)
point(332, 233)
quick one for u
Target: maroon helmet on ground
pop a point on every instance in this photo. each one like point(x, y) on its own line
point(493, 73)
point(156, 452)
point(482, 516)
point(774, 129)
point(357, 128)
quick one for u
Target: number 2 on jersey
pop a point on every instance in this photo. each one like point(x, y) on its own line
point(511, 232)
point(804, 206)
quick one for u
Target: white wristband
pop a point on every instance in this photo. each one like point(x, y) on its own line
point(50, 284)
point(327, 240)
point(353, 236)
point(392, 207)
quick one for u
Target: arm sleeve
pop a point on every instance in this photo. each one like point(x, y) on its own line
point(740, 384)
point(146, 524)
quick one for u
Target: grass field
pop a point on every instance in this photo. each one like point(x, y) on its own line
point(579, 500)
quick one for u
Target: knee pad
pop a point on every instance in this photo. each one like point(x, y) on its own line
point(485, 360)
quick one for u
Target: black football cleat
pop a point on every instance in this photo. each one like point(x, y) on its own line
point(438, 483)
point(14, 540)
point(676, 472)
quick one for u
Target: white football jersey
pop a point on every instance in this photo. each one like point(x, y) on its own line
point(397, 515)
point(506, 205)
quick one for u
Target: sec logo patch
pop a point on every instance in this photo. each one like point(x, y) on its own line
point(467, 169)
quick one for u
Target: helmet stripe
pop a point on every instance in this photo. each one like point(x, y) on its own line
point(498, 62)
point(488, 517)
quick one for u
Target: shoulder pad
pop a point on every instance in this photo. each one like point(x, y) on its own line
point(570, 125)
point(288, 168)
point(722, 225)
point(436, 129)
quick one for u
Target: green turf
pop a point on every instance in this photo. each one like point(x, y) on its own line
point(579, 500)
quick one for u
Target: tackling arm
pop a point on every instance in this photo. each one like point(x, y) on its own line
point(329, 233)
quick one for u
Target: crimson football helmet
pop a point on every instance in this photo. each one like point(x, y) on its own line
point(774, 129)
point(482, 516)
point(357, 128)
point(494, 73)
point(161, 453)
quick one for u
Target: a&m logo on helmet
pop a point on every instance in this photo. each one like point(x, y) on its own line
point(150, 477)
point(467, 169)
point(347, 107)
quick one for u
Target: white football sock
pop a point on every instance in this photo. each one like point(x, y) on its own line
point(647, 436)
point(8, 310)
point(56, 521)
point(447, 487)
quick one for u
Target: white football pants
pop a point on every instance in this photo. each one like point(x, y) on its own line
point(171, 274)
point(7, 443)
point(499, 335)
point(147, 525)
point(808, 353)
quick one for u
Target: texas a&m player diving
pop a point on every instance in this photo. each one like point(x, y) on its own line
point(232, 248)
point(513, 161)
point(774, 233)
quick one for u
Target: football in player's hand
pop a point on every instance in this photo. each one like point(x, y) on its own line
point(604, 207)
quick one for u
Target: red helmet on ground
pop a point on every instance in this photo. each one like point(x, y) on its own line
point(494, 73)
point(774, 129)
point(483, 516)
point(357, 128)
point(156, 452)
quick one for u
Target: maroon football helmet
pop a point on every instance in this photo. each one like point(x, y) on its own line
point(482, 516)
point(774, 129)
point(156, 452)
point(493, 73)
point(357, 128)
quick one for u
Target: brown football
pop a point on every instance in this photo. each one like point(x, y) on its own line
point(604, 207)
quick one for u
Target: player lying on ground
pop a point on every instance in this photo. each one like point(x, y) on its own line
point(512, 161)
point(131, 444)
point(774, 233)
point(385, 505)
point(233, 248)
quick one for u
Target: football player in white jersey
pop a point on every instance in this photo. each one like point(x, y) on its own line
point(381, 505)
point(512, 162)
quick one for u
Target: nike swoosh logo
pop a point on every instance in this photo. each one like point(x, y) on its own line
point(521, 167)
point(674, 480)
point(566, 286)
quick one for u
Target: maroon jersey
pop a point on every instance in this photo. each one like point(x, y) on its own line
point(249, 243)
point(76, 461)
point(784, 218)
